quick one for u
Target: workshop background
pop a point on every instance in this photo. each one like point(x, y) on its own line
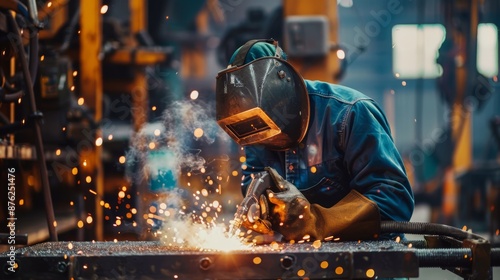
point(119, 125)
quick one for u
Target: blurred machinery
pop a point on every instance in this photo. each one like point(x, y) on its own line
point(461, 189)
point(19, 112)
point(307, 33)
point(51, 62)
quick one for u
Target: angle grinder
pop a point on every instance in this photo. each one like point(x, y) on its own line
point(255, 205)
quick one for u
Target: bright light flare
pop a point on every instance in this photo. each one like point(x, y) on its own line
point(216, 238)
point(104, 9)
point(341, 54)
point(98, 142)
point(199, 229)
point(194, 94)
point(198, 133)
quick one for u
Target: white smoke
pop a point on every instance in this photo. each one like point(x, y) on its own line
point(158, 154)
point(168, 144)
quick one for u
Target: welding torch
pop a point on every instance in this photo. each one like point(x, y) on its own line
point(254, 206)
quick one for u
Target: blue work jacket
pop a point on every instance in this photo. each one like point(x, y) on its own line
point(348, 146)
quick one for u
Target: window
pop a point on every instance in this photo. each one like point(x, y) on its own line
point(415, 49)
point(487, 49)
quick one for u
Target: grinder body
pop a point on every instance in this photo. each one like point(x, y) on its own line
point(255, 204)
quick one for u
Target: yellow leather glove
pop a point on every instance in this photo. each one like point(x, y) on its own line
point(355, 217)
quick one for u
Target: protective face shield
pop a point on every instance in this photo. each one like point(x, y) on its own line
point(262, 102)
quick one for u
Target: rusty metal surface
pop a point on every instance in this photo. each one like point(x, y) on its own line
point(151, 260)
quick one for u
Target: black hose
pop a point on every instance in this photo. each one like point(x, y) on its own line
point(439, 257)
point(21, 239)
point(33, 11)
point(452, 257)
point(33, 56)
point(444, 257)
point(6, 84)
point(426, 228)
point(70, 31)
point(51, 221)
point(10, 97)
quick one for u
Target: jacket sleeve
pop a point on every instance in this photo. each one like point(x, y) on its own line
point(373, 162)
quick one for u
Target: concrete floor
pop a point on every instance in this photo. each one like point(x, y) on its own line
point(422, 214)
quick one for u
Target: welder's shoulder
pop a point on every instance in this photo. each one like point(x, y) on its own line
point(340, 93)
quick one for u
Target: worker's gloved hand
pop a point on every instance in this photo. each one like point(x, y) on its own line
point(353, 218)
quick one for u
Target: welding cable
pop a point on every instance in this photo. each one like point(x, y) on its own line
point(33, 46)
point(10, 97)
point(21, 239)
point(427, 228)
point(452, 257)
point(30, 13)
point(15, 6)
point(444, 257)
point(51, 221)
point(6, 85)
point(73, 26)
point(33, 11)
point(8, 93)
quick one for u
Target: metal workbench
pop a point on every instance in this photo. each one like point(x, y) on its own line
point(151, 260)
point(463, 253)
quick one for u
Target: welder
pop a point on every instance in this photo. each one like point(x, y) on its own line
point(327, 148)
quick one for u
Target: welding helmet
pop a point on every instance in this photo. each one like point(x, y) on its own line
point(261, 99)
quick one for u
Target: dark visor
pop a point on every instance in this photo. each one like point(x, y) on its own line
point(250, 126)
